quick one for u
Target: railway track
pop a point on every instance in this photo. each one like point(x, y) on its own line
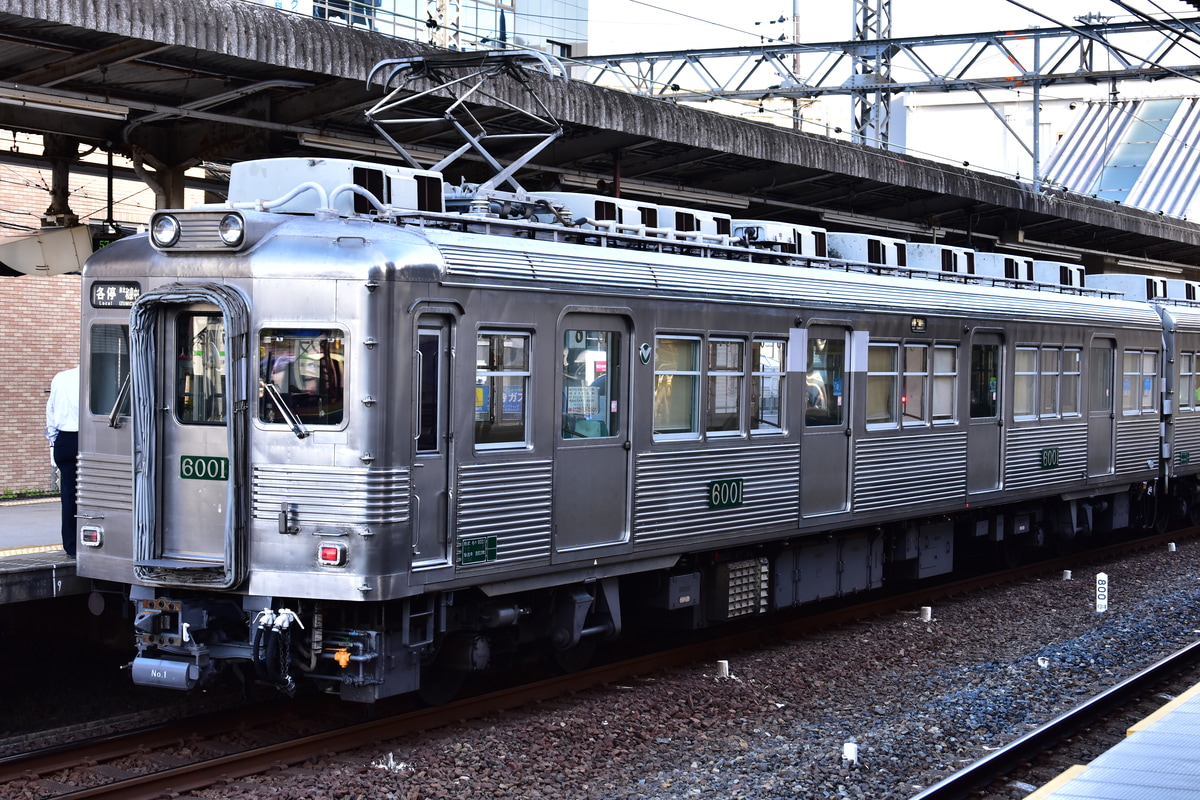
point(1017, 757)
point(78, 772)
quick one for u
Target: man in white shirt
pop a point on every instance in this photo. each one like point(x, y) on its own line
point(62, 429)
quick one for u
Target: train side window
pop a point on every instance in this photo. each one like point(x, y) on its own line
point(1187, 381)
point(1137, 388)
point(726, 373)
point(200, 369)
point(1070, 380)
point(1048, 381)
point(303, 370)
point(824, 382)
point(429, 387)
point(1025, 382)
point(985, 381)
point(883, 381)
point(916, 381)
point(766, 386)
point(1100, 375)
point(676, 387)
point(945, 378)
point(108, 368)
point(591, 365)
point(502, 373)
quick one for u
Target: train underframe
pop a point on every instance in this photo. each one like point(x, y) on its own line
point(427, 644)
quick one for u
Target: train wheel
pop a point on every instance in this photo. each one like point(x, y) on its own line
point(575, 658)
point(1012, 551)
point(439, 683)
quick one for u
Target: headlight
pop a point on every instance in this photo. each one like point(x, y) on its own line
point(165, 230)
point(232, 229)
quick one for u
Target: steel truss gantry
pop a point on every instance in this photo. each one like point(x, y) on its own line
point(873, 70)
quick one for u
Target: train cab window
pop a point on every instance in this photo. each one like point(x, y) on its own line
point(301, 375)
point(1137, 388)
point(108, 368)
point(591, 365)
point(945, 379)
point(766, 386)
point(883, 383)
point(676, 387)
point(200, 369)
point(725, 373)
point(824, 382)
point(502, 372)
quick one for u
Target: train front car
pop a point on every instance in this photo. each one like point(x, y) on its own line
point(238, 465)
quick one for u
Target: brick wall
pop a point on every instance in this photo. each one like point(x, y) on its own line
point(39, 329)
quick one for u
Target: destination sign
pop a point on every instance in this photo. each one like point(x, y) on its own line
point(115, 294)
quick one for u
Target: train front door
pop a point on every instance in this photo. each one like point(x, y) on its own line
point(825, 443)
point(592, 452)
point(193, 439)
point(985, 432)
point(431, 443)
point(1101, 413)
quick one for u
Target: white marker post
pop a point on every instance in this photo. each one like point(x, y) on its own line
point(1101, 592)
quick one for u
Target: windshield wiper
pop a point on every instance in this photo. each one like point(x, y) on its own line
point(273, 392)
point(114, 416)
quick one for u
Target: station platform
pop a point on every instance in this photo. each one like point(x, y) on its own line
point(1158, 760)
point(33, 565)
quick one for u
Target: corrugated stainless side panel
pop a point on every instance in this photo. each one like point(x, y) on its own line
point(488, 263)
point(332, 496)
point(1027, 465)
point(511, 501)
point(568, 269)
point(1137, 444)
point(546, 262)
point(909, 470)
point(1185, 449)
point(105, 481)
point(671, 491)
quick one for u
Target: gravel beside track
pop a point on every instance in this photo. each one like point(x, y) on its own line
point(919, 700)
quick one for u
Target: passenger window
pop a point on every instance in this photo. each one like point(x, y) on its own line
point(1048, 382)
point(916, 378)
point(766, 387)
point(591, 379)
point(1187, 385)
point(726, 370)
point(301, 373)
point(1069, 388)
point(823, 383)
point(1138, 386)
point(945, 378)
point(1024, 381)
point(501, 389)
point(676, 386)
point(200, 369)
point(108, 369)
point(985, 380)
point(882, 384)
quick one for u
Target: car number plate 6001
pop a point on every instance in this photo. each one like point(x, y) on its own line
point(205, 468)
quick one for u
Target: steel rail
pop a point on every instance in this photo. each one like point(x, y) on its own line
point(232, 767)
point(965, 783)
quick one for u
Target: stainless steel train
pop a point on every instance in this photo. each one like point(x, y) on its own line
point(358, 428)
